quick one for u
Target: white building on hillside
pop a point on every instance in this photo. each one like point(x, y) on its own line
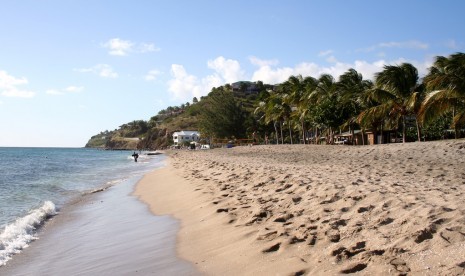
point(179, 137)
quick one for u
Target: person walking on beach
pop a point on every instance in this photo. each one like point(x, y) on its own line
point(135, 155)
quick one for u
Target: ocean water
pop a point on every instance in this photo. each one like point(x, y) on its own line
point(36, 183)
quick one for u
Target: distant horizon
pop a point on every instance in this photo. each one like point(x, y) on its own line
point(49, 147)
point(64, 79)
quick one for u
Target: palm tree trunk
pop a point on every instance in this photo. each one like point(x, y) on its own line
point(313, 135)
point(290, 131)
point(418, 130)
point(316, 136)
point(456, 136)
point(281, 129)
point(331, 136)
point(404, 131)
point(375, 133)
point(303, 132)
point(276, 132)
point(363, 136)
point(352, 135)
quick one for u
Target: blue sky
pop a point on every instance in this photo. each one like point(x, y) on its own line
point(70, 69)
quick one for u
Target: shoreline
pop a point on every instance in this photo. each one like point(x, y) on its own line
point(303, 209)
point(204, 238)
point(106, 233)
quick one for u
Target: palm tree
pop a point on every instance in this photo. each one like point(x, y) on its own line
point(446, 80)
point(352, 86)
point(284, 109)
point(396, 92)
point(327, 111)
point(274, 111)
point(298, 90)
point(294, 90)
point(306, 106)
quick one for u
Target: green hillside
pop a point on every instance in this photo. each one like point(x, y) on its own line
point(208, 115)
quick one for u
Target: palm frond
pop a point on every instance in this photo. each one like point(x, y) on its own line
point(459, 119)
point(414, 102)
point(436, 104)
point(399, 80)
point(372, 114)
point(380, 95)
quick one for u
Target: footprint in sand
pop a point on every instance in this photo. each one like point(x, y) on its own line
point(354, 268)
point(296, 199)
point(269, 236)
point(400, 265)
point(312, 240)
point(385, 221)
point(365, 209)
point(272, 248)
point(298, 239)
point(333, 235)
point(343, 253)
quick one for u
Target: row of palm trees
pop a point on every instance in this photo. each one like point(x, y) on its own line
point(397, 97)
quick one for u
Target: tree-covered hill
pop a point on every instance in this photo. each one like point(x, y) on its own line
point(213, 114)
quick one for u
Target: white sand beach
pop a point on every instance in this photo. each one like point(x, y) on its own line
point(317, 210)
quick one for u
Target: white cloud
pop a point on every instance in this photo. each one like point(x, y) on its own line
point(152, 75)
point(18, 93)
point(7, 81)
point(69, 89)
point(120, 47)
point(74, 89)
point(227, 69)
point(271, 75)
point(411, 44)
point(184, 86)
point(103, 70)
point(54, 92)
point(8, 86)
point(147, 47)
point(261, 62)
point(325, 53)
point(328, 54)
point(331, 59)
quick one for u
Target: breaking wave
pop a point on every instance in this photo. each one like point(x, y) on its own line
point(17, 235)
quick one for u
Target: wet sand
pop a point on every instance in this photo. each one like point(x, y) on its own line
point(109, 233)
point(317, 210)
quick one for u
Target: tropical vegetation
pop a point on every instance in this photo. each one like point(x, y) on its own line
point(316, 109)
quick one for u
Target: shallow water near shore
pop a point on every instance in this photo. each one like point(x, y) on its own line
point(111, 233)
point(54, 222)
point(36, 182)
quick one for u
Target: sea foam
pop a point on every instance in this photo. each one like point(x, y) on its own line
point(17, 235)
